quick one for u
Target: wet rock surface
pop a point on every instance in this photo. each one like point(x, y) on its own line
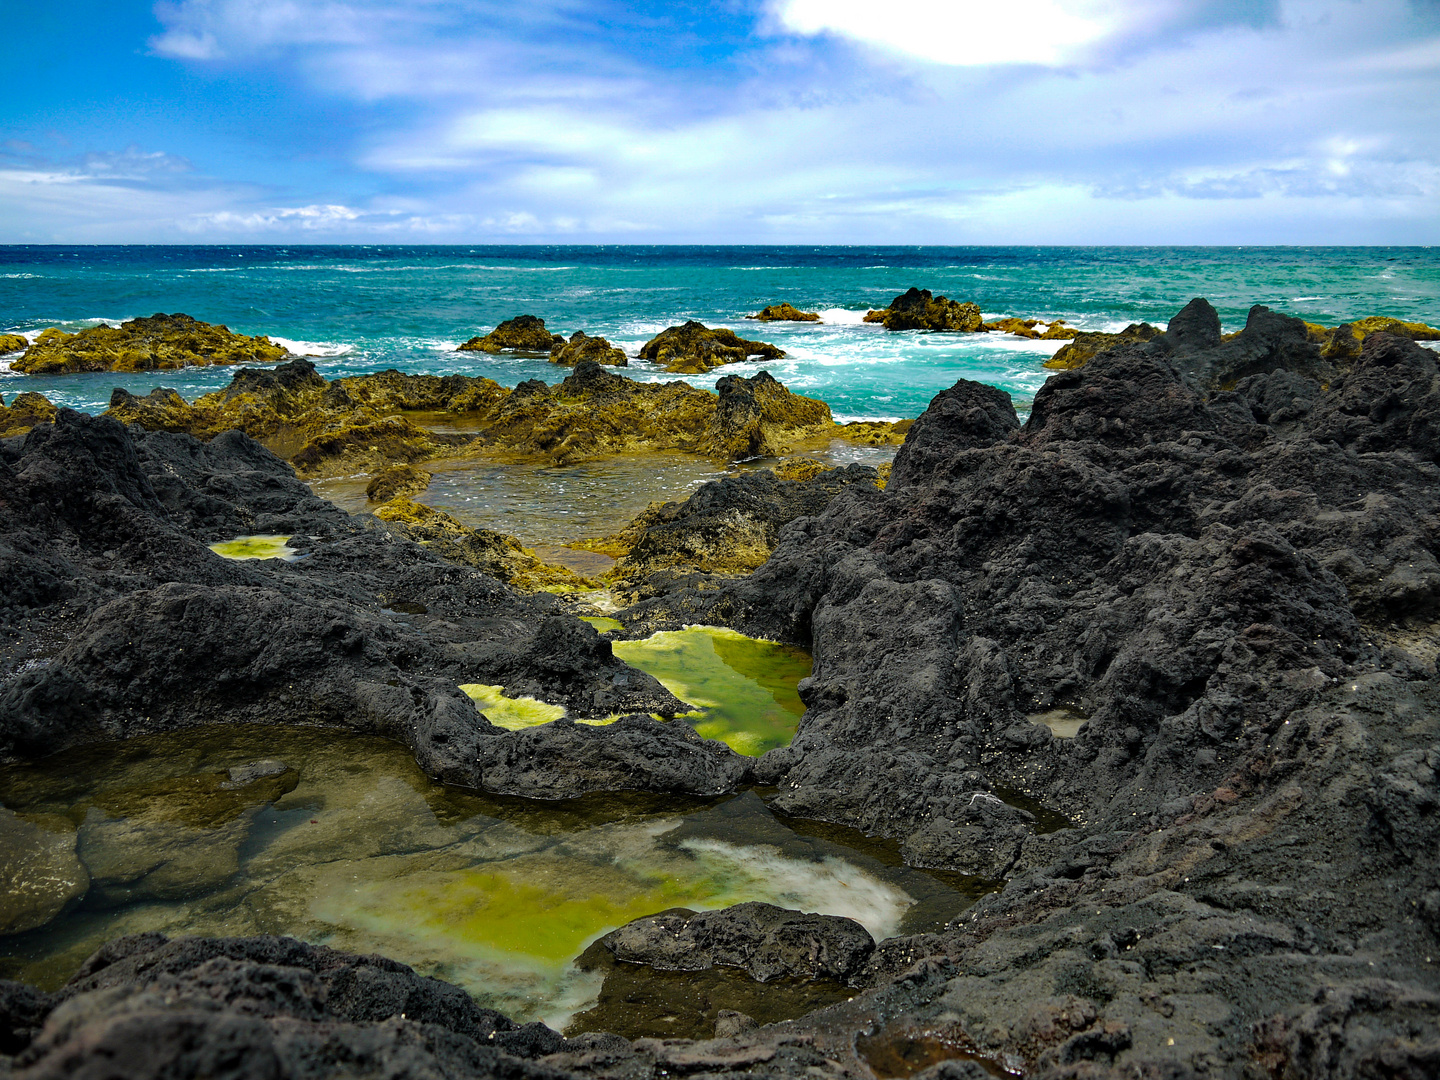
point(694, 348)
point(785, 312)
point(157, 342)
point(920, 309)
point(583, 347)
point(522, 334)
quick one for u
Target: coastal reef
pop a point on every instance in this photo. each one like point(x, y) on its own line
point(784, 313)
point(522, 334)
point(583, 347)
point(694, 348)
point(159, 342)
point(920, 309)
point(1034, 329)
point(369, 422)
point(10, 343)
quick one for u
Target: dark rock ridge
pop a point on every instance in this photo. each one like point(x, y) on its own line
point(159, 342)
point(1236, 590)
point(695, 348)
point(920, 309)
point(784, 313)
point(583, 347)
point(522, 334)
point(119, 619)
point(763, 940)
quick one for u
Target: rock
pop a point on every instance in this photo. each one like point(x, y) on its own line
point(10, 343)
point(1026, 328)
point(919, 309)
point(729, 1023)
point(562, 760)
point(1088, 343)
point(583, 347)
point(25, 411)
point(759, 417)
point(763, 940)
point(968, 416)
point(397, 481)
point(43, 875)
point(160, 342)
point(494, 553)
point(694, 349)
point(784, 313)
point(522, 334)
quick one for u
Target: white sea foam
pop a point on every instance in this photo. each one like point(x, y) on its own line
point(314, 348)
point(219, 269)
point(18, 276)
point(843, 317)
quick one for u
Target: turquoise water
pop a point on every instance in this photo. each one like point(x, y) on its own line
point(362, 309)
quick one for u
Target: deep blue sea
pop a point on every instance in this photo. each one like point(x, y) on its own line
point(362, 309)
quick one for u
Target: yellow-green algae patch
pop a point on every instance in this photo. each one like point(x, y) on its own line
point(255, 547)
point(511, 713)
point(601, 623)
point(745, 687)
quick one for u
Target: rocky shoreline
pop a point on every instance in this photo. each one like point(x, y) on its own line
point(1215, 556)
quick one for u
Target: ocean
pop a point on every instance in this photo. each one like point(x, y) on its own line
point(366, 308)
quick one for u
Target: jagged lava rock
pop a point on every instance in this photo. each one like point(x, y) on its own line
point(784, 313)
point(583, 347)
point(695, 348)
point(523, 334)
point(920, 309)
point(158, 342)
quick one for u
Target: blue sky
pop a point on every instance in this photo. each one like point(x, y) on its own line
point(732, 121)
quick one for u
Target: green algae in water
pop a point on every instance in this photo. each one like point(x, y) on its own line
point(601, 623)
point(365, 853)
point(745, 687)
point(509, 713)
point(255, 547)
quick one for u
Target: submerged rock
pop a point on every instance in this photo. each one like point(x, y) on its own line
point(695, 348)
point(398, 481)
point(159, 342)
point(920, 309)
point(523, 334)
point(763, 940)
point(784, 313)
point(42, 873)
point(583, 347)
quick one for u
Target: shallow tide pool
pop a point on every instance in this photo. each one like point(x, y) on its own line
point(340, 839)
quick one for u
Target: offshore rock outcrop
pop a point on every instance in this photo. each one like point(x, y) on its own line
point(522, 334)
point(694, 348)
point(159, 342)
point(369, 630)
point(371, 422)
point(920, 309)
point(582, 347)
point(1234, 594)
point(784, 313)
point(1088, 343)
point(1027, 328)
point(10, 343)
point(24, 412)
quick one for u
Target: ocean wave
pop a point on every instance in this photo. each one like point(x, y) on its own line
point(219, 269)
point(19, 276)
point(1301, 299)
point(843, 317)
point(314, 348)
point(765, 268)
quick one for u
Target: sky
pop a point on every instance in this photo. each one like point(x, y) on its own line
point(730, 121)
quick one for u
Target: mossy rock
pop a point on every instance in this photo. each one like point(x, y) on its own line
point(784, 313)
point(582, 346)
point(695, 348)
point(13, 343)
point(157, 343)
point(397, 481)
point(25, 411)
point(1089, 344)
point(523, 333)
point(875, 432)
point(920, 309)
point(1028, 328)
point(1375, 324)
point(494, 553)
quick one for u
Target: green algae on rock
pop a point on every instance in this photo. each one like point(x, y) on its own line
point(745, 687)
point(919, 309)
point(582, 346)
point(522, 334)
point(13, 343)
point(1032, 329)
point(397, 481)
point(784, 313)
point(1089, 343)
point(695, 348)
point(511, 713)
point(159, 342)
point(262, 546)
point(25, 411)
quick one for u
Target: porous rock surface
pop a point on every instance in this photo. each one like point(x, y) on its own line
point(157, 342)
point(119, 620)
point(522, 334)
point(920, 309)
point(694, 348)
point(1237, 588)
